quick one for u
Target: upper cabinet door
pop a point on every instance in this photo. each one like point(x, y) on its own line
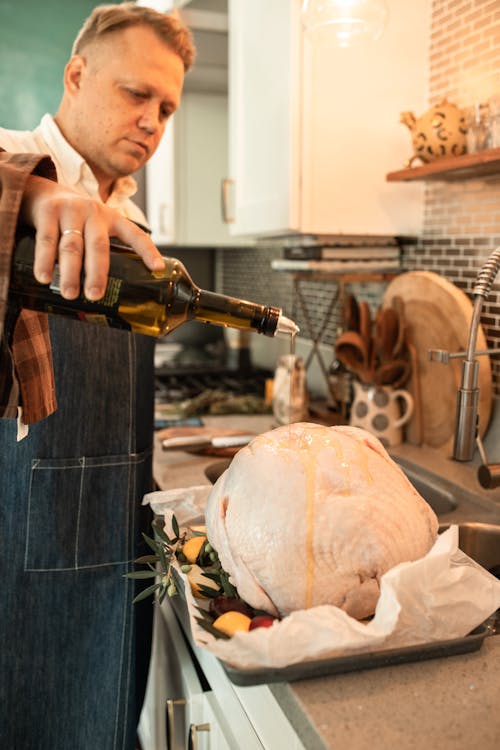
point(184, 177)
point(160, 199)
point(264, 115)
point(314, 129)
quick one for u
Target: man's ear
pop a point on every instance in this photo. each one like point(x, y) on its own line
point(73, 73)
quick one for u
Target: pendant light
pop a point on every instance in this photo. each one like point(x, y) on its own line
point(350, 21)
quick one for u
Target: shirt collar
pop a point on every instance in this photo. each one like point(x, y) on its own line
point(73, 165)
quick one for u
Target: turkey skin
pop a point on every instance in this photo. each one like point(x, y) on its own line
point(308, 515)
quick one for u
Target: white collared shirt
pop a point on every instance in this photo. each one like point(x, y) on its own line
point(72, 169)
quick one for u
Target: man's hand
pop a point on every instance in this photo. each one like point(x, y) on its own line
point(51, 209)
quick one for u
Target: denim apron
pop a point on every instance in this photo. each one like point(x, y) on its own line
point(74, 650)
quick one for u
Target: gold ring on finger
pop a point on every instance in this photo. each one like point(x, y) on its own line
point(72, 231)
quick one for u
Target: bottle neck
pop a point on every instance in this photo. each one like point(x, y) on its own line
point(221, 309)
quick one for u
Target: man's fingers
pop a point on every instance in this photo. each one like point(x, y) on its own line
point(140, 242)
point(70, 253)
point(47, 239)
point(74, 231)
point(96, 261)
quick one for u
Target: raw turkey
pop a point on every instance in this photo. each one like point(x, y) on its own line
point(308, 515)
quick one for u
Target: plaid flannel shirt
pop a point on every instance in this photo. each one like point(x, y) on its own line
point(26, 374)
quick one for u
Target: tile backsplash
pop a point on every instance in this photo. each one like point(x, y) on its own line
point(461, 224)
point(247, 273)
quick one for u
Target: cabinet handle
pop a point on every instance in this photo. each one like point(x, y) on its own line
point(170, 723)
point(193, 734)
point(227, 201)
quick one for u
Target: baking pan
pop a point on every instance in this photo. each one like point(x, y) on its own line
point(359, 661)
point(341, 664)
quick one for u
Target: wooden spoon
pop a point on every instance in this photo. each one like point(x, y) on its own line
point(399, 306)
point(394, 373)
point(387, 332)
point(351, 313)
point(351, 351)
point(365, 324)
point(366, 333)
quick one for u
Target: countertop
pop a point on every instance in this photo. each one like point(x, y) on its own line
point(445, 704)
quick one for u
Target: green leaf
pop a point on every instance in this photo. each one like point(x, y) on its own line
point(147, 559)
point(208, 592)
point(213, 576)
point(175, 526)
point(160, 532)
point(227, 587)
point(142, 574)
point(147, 592)
point(165, 564)
point(179, 582)
point(151, 542)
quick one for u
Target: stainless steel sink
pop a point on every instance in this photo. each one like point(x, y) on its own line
point(441, 496)
point(481, 541)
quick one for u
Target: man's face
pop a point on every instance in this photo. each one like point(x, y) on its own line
point(121, 92)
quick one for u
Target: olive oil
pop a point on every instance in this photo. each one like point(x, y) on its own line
point(139, 300)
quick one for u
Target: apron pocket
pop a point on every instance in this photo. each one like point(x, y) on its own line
point(80, 512)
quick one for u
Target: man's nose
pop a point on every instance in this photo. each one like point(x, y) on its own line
point(150, 119)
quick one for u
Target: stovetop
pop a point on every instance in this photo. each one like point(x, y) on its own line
point(174, 384)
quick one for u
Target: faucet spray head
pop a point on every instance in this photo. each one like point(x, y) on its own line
point(466, 421)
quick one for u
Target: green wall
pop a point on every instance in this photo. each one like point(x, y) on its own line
point(35, 43)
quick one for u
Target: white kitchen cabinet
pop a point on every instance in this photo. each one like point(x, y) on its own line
point(313, 129)
point(174, 699)
point(191, 703)
point(159, 188)
point(184, 177)
point(271, 728)
point(200, 167)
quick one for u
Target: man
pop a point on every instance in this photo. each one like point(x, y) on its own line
point(73, 658)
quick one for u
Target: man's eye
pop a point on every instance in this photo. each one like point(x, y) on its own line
point(137, 94)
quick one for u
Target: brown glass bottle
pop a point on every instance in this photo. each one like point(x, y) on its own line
point(139, 300)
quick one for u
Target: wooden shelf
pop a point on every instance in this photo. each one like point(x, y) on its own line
point(482, 164)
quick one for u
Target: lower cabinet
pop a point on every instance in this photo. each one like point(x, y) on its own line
point(182, 711)
point(174, 695)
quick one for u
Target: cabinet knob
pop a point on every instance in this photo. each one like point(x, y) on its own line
point(228, 200)
point(194, 729)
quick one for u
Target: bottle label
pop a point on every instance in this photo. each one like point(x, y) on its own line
point(111, 295)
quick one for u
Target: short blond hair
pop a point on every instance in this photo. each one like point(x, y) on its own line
point(105, 19)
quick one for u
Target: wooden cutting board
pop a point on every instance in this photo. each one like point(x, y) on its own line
point(438, 314)
point(206, 450)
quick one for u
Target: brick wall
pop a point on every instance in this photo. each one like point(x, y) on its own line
point(461, 219)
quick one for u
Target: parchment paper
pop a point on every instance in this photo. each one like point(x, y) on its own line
point(443, 595)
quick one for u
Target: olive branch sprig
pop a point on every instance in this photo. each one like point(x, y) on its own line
point(159, 564)
point(165, 550)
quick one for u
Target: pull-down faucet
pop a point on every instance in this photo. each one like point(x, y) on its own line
point(466, 433)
